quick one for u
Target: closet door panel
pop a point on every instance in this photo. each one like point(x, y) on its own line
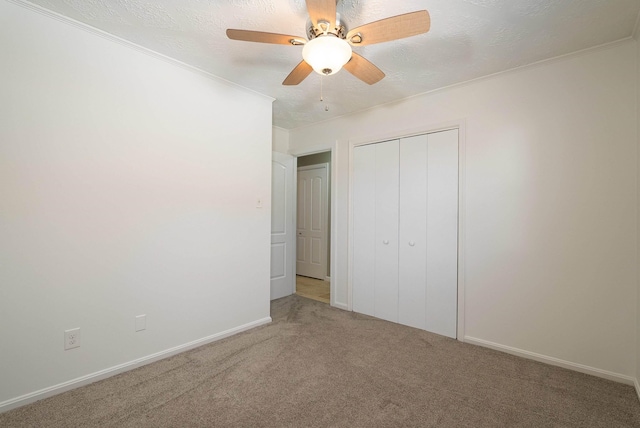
point(386, 230)
point(364, 188)
point(413, 232)
point(442, 233)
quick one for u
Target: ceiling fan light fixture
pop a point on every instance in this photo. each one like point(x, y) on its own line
point(326, 54)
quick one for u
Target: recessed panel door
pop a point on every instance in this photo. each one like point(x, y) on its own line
point(282, 232)
point(312, 216)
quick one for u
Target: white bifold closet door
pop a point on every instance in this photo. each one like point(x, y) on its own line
point(405, 231)
point(385, 266)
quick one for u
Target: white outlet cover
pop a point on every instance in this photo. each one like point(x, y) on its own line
point(71, 339)
point(141, 322)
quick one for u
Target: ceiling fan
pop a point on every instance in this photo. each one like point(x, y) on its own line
point(328, 45)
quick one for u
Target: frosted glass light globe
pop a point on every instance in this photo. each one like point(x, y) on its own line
point(326, 54)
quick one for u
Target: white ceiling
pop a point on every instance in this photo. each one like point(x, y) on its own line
point(468, 39)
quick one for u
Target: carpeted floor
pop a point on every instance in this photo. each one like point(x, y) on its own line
point(316, 366)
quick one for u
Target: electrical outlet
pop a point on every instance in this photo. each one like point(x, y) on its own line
point(141, 322)
point(71, 338)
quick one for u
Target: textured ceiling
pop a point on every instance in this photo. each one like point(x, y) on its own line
point(468, 39)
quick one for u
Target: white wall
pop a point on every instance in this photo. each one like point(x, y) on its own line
point(128, 186)
point(550, 209)
point(280, 140)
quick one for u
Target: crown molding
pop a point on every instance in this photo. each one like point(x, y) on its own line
point(126, 43)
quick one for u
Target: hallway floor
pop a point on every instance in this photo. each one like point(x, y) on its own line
point(312, 288)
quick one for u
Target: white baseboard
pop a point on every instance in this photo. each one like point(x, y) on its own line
point(637, 385)
point(112, 371)
point(555, 362)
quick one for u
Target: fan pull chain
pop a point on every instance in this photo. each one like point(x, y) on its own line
point(326, 107)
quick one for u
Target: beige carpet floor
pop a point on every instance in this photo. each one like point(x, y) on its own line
point(316, 366)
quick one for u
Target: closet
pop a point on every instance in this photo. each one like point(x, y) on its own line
point(405, 231)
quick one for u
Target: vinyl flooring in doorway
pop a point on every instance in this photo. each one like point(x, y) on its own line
point(312, 288)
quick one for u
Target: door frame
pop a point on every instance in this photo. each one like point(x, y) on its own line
point(333, 214)
point(325, 213)
point(460, 125)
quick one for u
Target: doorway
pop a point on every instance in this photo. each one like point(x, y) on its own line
point(313, 225)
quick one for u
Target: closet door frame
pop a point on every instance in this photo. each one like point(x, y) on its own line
point(399, 134)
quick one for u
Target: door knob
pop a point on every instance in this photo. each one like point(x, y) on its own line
point(411, 243)
point(385, 242)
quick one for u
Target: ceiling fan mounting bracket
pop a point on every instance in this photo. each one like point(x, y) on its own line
point(324, 27)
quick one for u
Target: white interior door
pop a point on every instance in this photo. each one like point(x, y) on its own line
point(386, 231)
point(442, 231)
point(311, 234)
point(282, 228)
point(405, 231)
point(413, 232)
point(375, 230)
point(429, 232)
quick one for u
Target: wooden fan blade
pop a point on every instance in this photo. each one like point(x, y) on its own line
point(322, 10)
point(261, 37)
point(396, 27)
point(363, 69)
point(298, 74)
